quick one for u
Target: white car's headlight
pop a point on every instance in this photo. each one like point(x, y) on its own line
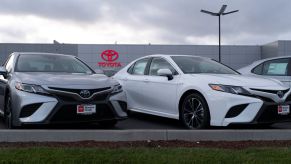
point(31, 88)
point(117, 89)
point(230, 89)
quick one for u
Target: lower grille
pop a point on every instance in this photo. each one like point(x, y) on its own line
point(68, 113)
point(270, 114)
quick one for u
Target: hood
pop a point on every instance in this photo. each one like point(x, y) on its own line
point(64, 79)
point(242, 80)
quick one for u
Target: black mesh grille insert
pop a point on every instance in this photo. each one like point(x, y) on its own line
point(235, 110)
point(28, 110)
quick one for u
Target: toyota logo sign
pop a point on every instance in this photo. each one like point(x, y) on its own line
point(109, 58)
point(109, 55)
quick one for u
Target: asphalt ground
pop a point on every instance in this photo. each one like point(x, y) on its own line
point(139, 121)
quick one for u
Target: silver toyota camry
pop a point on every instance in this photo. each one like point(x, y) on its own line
point(44, 88)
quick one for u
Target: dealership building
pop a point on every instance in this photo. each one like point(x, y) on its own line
point(96, 55)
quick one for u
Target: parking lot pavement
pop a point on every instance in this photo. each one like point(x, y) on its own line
point(142, 121)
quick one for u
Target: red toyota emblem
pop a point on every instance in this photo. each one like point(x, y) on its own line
point(109, 55)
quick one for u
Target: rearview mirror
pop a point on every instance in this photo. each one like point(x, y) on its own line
point(3, 72)
point(165, 72)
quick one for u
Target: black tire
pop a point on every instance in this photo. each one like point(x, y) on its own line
point(194, 112)
point(8, 115)
point(108, 123)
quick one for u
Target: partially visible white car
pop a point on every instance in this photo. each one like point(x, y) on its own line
point(277, 68)
point(202, 92)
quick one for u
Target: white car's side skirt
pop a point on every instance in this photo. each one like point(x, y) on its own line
point(146, 111)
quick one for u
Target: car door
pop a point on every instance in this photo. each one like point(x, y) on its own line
point(161, 93)
point(3, 82)
point(276, 69)
point(134, 83)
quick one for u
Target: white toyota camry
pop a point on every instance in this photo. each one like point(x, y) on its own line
point(202, 92)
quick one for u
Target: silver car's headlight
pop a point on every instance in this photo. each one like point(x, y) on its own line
point(230, 89)
point(31, 88)
point(117, 89)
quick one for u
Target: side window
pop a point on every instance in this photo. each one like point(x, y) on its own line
point(9, 63)
point(258, 69)
point(159, 63)
point(276, 67)
point(140, 67)
point(129, 70)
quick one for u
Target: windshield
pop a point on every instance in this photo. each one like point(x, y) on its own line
point(192, 65)
point(50, 63)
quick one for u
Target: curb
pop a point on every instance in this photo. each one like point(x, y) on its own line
point(142, 135)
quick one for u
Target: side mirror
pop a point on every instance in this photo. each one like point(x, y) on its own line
point(99, 71)
point(3, 72)
point(166, 72)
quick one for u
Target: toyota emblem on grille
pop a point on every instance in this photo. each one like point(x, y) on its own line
point(280, 94)
point(85, 93)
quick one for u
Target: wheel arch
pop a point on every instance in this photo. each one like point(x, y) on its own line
point(188, 92)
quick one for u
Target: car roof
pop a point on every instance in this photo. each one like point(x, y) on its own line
point(169, 55)
point(266, 59)
point(41, 53)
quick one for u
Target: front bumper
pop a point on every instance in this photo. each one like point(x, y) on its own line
point(42, 109)
point(245, 110)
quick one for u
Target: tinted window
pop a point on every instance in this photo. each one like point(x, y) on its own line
point(159, 63)
point(258, 70)
point(277, 67)
point(192, 65)
point(140, 67)
point(50, 63)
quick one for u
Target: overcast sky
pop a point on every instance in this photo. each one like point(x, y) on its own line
point(143, 21)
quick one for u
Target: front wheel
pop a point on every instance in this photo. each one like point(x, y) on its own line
point(194, 112)
point(8, 114)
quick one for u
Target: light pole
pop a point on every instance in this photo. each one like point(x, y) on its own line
point(220, 13)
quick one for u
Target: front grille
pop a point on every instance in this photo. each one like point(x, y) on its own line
point(270, 91)
point(265, 99)
point(69, 95)
point(28, 110)
point(72, 98)
point(269, 114)
point(68, 113)
point(77, 91)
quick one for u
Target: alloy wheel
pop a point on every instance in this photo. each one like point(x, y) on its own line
point(194, 112)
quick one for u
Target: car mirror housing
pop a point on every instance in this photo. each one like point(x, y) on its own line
point(3, 72)
point(166, 72)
